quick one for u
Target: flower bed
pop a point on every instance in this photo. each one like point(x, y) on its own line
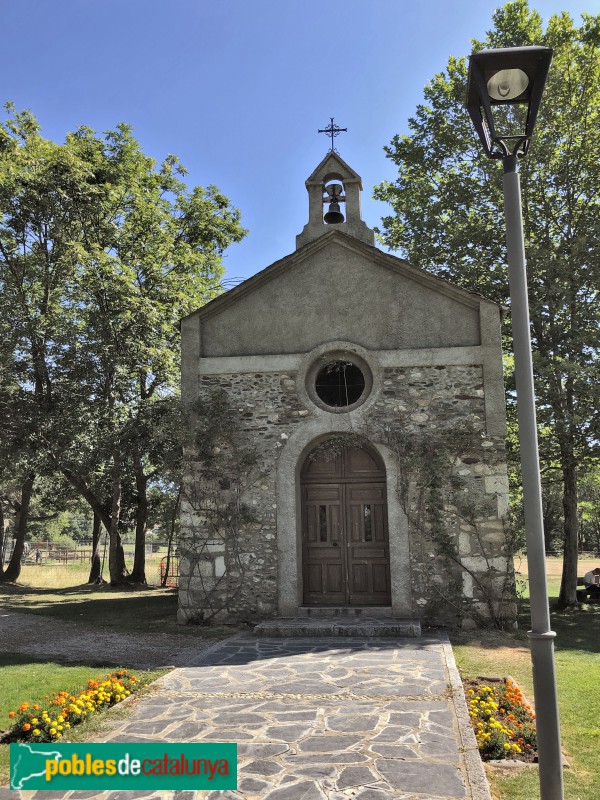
point(33, 722)
point(504, 723)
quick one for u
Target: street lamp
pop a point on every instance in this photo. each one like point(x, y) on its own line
point(503, 96)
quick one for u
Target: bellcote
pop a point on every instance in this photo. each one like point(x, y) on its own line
point(334, 187)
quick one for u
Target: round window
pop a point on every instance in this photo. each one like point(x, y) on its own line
point(340, 384)
point(338, 381)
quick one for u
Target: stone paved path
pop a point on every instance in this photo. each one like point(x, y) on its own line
point(317, 719)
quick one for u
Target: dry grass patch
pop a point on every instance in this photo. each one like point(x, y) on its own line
point(53, 576)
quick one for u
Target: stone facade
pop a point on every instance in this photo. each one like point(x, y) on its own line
point(240, 546)
point(220, 580)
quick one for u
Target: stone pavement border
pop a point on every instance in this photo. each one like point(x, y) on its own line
point(474, 771)
point(315, 719)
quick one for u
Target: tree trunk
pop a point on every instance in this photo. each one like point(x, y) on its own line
point(116, 556)
point(13, 570)
point(79, 483)
point(568, 584)
point(2, 539)
point(96, 566)
point(138, 574)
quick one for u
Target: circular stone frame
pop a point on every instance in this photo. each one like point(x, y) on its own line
point(331, 356)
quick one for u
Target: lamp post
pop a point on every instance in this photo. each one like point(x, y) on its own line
point(498, 81)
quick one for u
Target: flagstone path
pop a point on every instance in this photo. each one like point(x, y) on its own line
point(316, 719)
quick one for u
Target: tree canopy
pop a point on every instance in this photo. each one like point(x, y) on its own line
point(448, 218)
point(102, 251)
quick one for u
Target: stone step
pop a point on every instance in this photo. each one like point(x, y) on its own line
point(288, 627)
point(345, 611)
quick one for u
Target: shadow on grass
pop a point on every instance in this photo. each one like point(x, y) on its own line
point(89, 589)
point(21, 659)
point(104, 606)
point(576, 628)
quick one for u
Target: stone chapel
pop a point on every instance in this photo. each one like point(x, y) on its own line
point(338, 364)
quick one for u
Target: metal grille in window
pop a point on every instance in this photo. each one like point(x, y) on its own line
point(340, 384)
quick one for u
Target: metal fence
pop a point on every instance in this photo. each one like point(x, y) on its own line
point(173, 574)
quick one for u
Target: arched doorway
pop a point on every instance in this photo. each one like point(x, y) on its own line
point(345, 543)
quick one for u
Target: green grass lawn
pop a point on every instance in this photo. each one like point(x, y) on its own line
point(24, 679)
point(99, 606)
point(138, 610)
point(577, 650)
point(478, 653)
point(135, 609)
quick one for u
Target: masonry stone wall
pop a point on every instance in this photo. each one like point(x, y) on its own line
point(231, 574)
point(430, 402)
point(222, 579)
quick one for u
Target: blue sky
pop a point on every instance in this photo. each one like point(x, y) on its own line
point(238, 88)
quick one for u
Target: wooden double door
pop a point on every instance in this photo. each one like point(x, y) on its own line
point(345, 543)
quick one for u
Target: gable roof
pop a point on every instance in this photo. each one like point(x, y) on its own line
point(333, 166)
point(378, 257)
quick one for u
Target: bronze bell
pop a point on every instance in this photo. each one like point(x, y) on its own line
point(334, 216)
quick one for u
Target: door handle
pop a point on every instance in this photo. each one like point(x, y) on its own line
point(334, 544)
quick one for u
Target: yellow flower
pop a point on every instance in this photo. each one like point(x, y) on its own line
point(36, 732)
point(52, 731)
point(34, 721)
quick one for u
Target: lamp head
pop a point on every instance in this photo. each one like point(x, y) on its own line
point(506, 77)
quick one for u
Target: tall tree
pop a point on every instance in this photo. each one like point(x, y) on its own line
point(448, 218)
point(101, 252)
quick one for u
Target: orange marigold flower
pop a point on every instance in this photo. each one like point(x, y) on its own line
point(23, 706)
point(26, 726)
point(11, 715)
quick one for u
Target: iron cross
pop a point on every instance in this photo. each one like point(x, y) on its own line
point(332, 130)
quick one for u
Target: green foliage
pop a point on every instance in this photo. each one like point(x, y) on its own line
point(589, 511)
point(448, 218)
point(53, 719)
point(102, 251)
point(218, 451)
point(504, 723)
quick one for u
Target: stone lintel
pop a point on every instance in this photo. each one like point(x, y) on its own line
point(422, 357)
